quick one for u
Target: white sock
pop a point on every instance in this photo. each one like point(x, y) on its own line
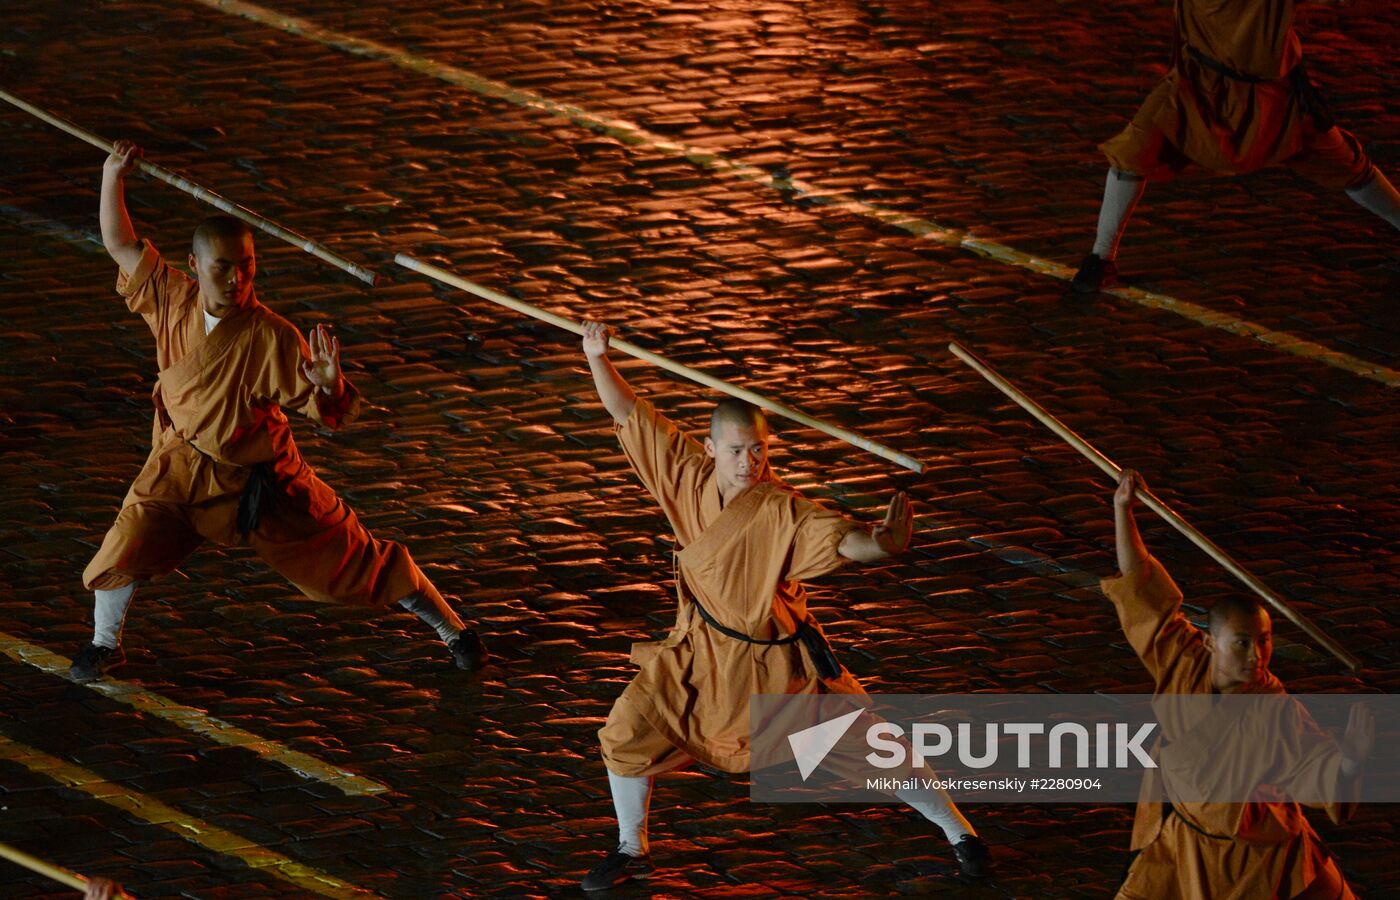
point(1121, 193)
point(108, 614)
point(1378, 195)
point(418, 605)
point(938, 808)
point(631, 801)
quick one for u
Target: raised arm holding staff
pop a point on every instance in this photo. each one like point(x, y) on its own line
point(223, 466)
point(669, 365)
point(92, 888)
point(746, 542)
point(1112, 469)
point(199, 192)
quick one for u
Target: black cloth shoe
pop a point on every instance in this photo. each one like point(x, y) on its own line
point(973, 856)
point(467, 651)
point(93, 660)
point(1095, 273)
point(617, 868)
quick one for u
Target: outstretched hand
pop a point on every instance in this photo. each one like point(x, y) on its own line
point(1359, 740)
point(595, 339)
point(323, 368)
point(122, 160)
point(893, 534)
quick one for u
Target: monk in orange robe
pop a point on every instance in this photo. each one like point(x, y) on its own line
point(742, 626)
point(223, 466)
point(1236, 850)
point(1237, 99)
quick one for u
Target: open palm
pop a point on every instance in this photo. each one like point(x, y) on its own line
point(323, 368)
point(894, 533)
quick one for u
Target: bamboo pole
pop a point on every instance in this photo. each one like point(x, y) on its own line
point(202, 193)
point(1166, 512)
point(35, 864)
point(684, 371)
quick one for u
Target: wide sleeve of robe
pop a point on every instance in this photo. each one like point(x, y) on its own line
point(280, 380)
point(1310, 766)
point(1149, 609)
point(154, 288)
point(671, 465)
point(817, 536)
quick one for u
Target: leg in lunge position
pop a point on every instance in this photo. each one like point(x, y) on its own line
point(1236, 99)
point(1121, 193)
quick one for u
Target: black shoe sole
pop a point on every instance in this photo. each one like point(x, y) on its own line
point(616, 884)
point(473, 663)
point(86, 676)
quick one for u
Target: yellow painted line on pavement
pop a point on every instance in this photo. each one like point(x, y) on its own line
point(149, 809)
point(195, 720)
point(634, 135)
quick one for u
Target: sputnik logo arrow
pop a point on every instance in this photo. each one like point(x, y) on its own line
point(811, 745)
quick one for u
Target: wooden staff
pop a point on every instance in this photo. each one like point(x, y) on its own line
point(1176, 521)
point(202, 193)
point(684, 371)
point(34, 864)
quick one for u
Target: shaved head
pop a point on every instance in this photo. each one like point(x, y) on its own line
point(732, 412)
point(217, 229)
point(738, 443)
point(1240, 641)
point(224, 260)
point(1232, 607)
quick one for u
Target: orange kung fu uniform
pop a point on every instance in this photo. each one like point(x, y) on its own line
point(219, 401)
point(1236, 99)
point(743, 562)
point(1225, 851)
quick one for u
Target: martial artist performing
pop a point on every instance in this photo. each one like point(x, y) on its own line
point(223, 466)
point(746, 541)
point(1237, 99)
point(1226, 849)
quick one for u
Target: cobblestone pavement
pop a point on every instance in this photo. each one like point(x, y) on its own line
point(485, 452)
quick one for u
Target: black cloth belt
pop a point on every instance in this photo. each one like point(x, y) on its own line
point(1310, 99)
point(828, 666)
point(1168, 810)
point(1221, 68)
point(259, 497)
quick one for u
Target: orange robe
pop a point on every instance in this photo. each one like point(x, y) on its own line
point(743, 562)
point(1256, 849)
point(219, 401)
point(1256, 116)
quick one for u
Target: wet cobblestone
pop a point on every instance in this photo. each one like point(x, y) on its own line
point(483, 449)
